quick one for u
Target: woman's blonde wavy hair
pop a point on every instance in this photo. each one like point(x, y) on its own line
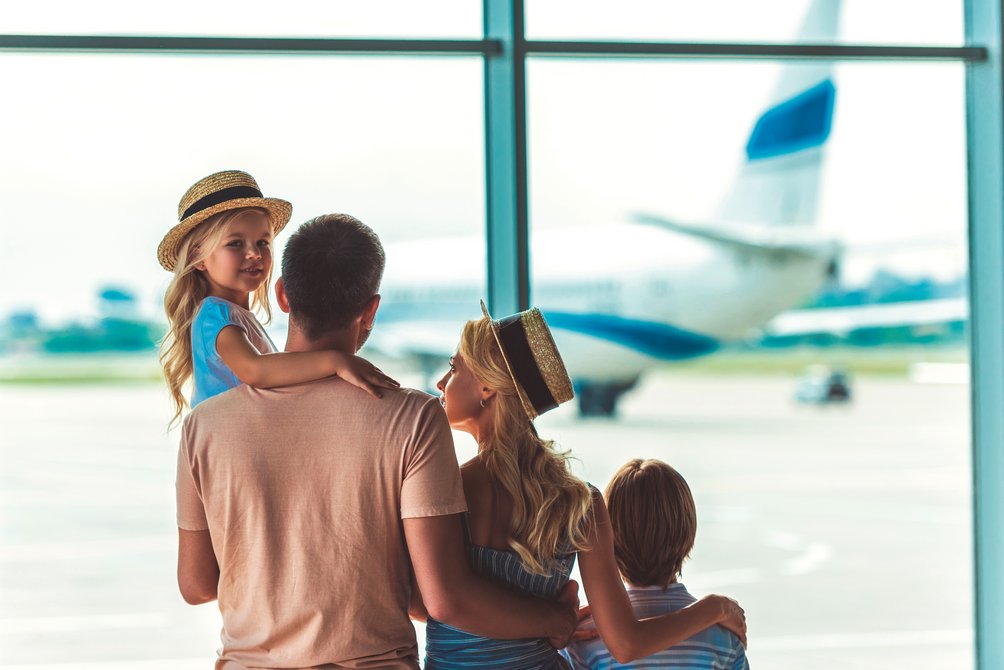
point(186, 291)
point(551, 508)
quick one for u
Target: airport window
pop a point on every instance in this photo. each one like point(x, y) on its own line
point(95, 162)
point(665, 172)
point(824, 424)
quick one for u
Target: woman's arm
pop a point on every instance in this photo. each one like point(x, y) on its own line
point(625, 636)
point(286, 368)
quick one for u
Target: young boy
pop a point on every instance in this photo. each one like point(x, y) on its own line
point(654, 522)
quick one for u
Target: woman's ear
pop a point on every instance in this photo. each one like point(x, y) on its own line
point(486, 395)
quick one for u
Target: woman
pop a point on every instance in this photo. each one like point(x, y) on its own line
point(528, 517)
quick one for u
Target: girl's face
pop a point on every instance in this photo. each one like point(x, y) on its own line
point(242, 260)
point(462, 394)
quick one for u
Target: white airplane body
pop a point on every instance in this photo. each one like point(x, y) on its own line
point(620, 298)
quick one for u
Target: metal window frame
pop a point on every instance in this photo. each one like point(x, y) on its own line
point(505, 51)
point(985, 156)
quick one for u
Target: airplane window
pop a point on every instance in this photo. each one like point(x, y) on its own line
point(787, 244)
point(780, 21)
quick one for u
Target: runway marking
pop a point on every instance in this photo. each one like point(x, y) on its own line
point(65, 624)
point(808, 561)
point(857, 640)
point(810, 557)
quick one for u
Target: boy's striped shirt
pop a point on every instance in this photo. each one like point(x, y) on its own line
point(712, 649)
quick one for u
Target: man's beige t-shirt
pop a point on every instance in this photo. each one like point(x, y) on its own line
point(303, 489)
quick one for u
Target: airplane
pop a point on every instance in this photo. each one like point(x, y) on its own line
point(623, 297)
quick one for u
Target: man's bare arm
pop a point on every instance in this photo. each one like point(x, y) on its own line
point(453, 594)
point(198, 572)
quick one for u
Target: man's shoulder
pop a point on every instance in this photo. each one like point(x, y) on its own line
point(219, 405)
point(332, 394)
point(410, 396)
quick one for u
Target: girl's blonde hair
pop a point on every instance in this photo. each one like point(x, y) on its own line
point(550, 507)
point(186, 291)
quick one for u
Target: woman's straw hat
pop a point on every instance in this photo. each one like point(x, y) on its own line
point(533, 360)
point(230, 189)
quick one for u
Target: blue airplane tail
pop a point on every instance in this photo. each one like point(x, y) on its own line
point(778, 182)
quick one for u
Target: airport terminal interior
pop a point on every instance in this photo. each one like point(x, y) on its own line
point(767, 239)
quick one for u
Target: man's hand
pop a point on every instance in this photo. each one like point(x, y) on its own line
point(587, 630)
point(569, 599)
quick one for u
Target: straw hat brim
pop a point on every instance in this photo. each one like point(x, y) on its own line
point(167, 251)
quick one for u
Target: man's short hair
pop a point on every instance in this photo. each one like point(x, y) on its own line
point(654, 521)
point(331, 267)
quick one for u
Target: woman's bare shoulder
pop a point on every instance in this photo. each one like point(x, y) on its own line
point(476, 482)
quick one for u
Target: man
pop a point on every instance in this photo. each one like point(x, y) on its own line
point(304, 509)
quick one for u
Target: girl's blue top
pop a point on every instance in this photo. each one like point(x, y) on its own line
point(210, 374)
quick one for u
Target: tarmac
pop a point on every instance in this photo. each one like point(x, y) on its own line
point(845, 532)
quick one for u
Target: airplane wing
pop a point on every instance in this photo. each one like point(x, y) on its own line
point(799, 240)
point(842, 320)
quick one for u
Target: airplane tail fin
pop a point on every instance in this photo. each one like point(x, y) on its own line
point(778, 183)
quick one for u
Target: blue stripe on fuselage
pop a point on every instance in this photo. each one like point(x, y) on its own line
point(658, 340)
point(801, 122)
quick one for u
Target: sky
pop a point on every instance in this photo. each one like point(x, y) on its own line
point(98, 148)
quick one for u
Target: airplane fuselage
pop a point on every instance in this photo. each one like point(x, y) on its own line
point(617, 297)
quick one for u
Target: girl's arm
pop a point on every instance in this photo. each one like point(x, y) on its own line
point(625, 636)
point(286, 368)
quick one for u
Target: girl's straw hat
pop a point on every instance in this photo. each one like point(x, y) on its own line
point(230, 189)
point(533, 360)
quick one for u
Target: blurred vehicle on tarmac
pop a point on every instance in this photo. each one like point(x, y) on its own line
point(822, 385)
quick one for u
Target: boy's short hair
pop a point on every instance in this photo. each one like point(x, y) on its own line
point(331, 267)
point(654, 521)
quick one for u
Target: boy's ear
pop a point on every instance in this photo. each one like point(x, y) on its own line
point(280, 296)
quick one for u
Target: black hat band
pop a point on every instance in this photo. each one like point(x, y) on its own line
point(224, 194)
point(523, 364)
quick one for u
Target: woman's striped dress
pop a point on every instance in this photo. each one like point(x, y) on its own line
point(448, 648)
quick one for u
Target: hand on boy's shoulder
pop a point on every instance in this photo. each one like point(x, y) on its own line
point(586, 629)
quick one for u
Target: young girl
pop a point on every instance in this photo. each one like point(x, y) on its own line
point(221, 256)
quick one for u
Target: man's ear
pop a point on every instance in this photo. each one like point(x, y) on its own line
point(369, 312)
point(280, 296)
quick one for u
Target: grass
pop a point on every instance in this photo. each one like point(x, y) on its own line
point(79, 369)
point(883, 361)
